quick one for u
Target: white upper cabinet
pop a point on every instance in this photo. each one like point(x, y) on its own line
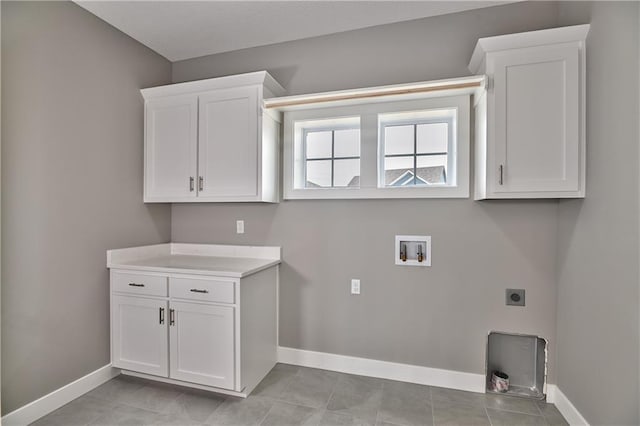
point(210, 141)
point(530, 123)
point(171, 148)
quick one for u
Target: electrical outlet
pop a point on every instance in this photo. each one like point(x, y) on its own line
point(240, 226)
point(515, 297)
point(355, 286)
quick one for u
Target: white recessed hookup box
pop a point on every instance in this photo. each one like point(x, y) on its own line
point(413, 250)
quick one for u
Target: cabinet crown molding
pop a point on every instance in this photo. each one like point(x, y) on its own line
point(527, 39)
point(246, 79)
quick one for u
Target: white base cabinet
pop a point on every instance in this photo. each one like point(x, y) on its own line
point(215, 332)
point(530, 123)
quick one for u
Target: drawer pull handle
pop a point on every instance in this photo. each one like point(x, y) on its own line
point(195, 290)
point(161, 316)
point(136, 285)
point(172, 317)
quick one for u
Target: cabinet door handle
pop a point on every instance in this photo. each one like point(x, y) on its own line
point(136, 285)
point(161, 316)
point(172, 317)
point(191, 183)
point(501, 176)
point(200, 183)
point(196, 290)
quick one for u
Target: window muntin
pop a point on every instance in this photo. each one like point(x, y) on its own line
point(331, 153)
point(417, 148)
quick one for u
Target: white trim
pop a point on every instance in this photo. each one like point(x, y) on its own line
point(367, 95)
point(42, 406)
point(564, 405)
point(526, 39)
point(246, 79)
point(383, 369)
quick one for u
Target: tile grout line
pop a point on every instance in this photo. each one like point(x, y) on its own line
point(433, 407)
point(486, 413)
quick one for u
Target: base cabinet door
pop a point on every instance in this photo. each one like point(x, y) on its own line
point(202, 344)
point(139, 334)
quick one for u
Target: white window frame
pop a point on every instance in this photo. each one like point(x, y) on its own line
point(421, 117)
point(370, 149)
point(348, 123)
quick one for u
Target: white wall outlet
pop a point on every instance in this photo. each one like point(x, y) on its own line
point(240, 226)
point(355, 286)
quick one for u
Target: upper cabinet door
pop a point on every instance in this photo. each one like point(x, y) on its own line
point(229, 148)
point(171, 126)
point(537, 127)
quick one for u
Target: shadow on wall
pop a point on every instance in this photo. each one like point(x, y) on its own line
point(292, 285)
point(520, 231)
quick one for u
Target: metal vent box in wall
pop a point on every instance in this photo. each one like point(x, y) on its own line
point(523, 358)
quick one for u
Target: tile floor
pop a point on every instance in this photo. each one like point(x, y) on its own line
point(291, 395)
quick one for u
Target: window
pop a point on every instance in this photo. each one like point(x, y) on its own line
point(327, 153)
point(415, 148)
point(332, 157)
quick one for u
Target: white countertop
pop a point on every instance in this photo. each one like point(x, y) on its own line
point(201, 259)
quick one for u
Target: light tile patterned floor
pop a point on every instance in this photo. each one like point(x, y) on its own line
point(292, 395)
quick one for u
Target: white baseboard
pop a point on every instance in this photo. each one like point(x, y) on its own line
point(383, 369)
point(56, 399)
point(564, 405)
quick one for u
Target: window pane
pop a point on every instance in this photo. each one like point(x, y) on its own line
point(318, 174)
point(318, 145)
point(398, 140)
point(347, 143)
point(432, 169)
point(346, 173)
point(432, 137)
point(398, 171)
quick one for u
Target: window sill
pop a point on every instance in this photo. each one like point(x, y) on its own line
point(376, 193)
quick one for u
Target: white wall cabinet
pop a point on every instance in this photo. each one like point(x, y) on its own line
point(211, 141)
point(212, 332)
point(530, 123)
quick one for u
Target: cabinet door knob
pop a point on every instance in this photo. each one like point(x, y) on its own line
point(200, 183)
point(196, 290)
point(136, 285)
point(161, 316)
point(172, 317)
point(191, 183)
point(501, 175)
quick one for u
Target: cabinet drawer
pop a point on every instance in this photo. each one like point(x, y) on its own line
point(210, 290)
point(149, 285)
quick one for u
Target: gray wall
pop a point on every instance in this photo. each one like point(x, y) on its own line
point(71, 188)
point(598, 236)
point(439, 316)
